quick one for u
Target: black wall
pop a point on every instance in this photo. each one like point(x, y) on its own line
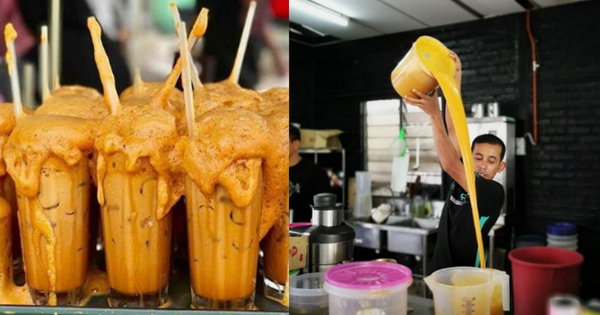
point(558, 179)
point(302, 79)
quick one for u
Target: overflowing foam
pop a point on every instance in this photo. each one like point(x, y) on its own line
point(75, 101)
point(36, 138)
point(143, 132)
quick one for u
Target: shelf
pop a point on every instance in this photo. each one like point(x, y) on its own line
point(319, 151)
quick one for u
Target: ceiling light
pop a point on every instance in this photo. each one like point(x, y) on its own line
point(319, 11)
point(314, 30)
point(295, 31)
point(333, 6)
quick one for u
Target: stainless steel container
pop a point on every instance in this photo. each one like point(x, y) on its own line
point(493, 109)
point(478, 110)
point(328, 255)
point(330, 241)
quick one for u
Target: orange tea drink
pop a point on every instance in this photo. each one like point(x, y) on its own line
point(47, 156)
point(136, 190)
point(225, 195)
point(275, 246)
point(7, 185)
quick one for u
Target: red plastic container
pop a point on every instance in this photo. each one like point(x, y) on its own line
point(538, 273)
point(281, 9)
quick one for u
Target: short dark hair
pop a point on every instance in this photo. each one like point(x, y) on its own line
point(294, 134)
point(490, 139)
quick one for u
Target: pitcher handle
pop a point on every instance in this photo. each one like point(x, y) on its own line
point(505, 282)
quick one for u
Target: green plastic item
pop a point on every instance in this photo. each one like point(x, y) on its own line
point(161, 13)
point(403, 140)
point(399, 147)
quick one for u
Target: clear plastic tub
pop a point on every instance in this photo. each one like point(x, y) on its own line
point(562, 238)
point(307, 295)
point(368, 288)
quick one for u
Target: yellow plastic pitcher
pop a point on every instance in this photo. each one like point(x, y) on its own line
point(414, 71)
point(469, 291)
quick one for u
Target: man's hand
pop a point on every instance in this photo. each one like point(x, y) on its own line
point(458, 67)
point(429, 104)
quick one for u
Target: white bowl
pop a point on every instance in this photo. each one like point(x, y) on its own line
point(427, 223)
point(379, 216)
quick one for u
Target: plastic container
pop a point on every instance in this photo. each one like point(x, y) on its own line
point(529, 241)
point(540, 273)
point(363, 204)
point(562, 243)
point(592, 308)
point(363, 183)
point(400, 172)
point(564, 305)
point(372, 287)
point(562, 238)
point(299, 224)
point(412, 71)
point(566, 242)
point(569, 247)
point(561, 229)
point(562, 235)
point(469, 290)
point(307, 295)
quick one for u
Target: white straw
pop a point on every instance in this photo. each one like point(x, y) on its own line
point(111, 97)
point(29, 84)
point(11, 59)
point(187, 84)
point(55, 41)
point(44, 63)
point(239, 59)
point(191, 43)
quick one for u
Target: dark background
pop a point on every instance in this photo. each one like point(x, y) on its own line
point(558, 178)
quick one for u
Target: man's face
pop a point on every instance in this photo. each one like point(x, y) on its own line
point(294, 147)
point(486, 160)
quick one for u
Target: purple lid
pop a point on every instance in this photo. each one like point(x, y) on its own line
point(561, 229)
point(368, 275)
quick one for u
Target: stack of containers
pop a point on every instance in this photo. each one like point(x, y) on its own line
point(562, 235)
point(307, 295)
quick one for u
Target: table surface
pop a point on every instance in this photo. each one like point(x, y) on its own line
point(179, 303)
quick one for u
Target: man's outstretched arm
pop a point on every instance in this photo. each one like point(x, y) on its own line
point(448, 155)
point(449, 122)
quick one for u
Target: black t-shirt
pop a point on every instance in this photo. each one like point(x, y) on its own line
point(306, 180)
point(456, 243)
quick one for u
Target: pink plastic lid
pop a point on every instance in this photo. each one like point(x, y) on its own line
point(368, 275)
point(293, 225)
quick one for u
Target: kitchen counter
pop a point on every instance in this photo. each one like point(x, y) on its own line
point(395, 224)
point(398, 234)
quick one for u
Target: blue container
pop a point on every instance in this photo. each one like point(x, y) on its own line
point(561, 229)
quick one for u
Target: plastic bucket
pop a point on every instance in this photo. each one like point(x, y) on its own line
point(540, 273)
